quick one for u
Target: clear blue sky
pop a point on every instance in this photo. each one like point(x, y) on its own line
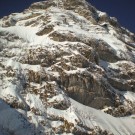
point(123, 10)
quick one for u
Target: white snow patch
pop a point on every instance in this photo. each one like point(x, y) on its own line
point(92, 117)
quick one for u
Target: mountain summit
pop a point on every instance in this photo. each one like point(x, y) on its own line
point(66, 69)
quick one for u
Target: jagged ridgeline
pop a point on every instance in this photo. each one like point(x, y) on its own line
point(66, 69)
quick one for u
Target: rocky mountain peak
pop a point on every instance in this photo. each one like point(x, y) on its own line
point(66, 68)
point(85, 9)
point(67, 4)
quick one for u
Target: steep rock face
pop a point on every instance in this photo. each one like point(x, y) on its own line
point(60, 50)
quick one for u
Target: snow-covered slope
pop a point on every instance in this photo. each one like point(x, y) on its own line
point(66, 68)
